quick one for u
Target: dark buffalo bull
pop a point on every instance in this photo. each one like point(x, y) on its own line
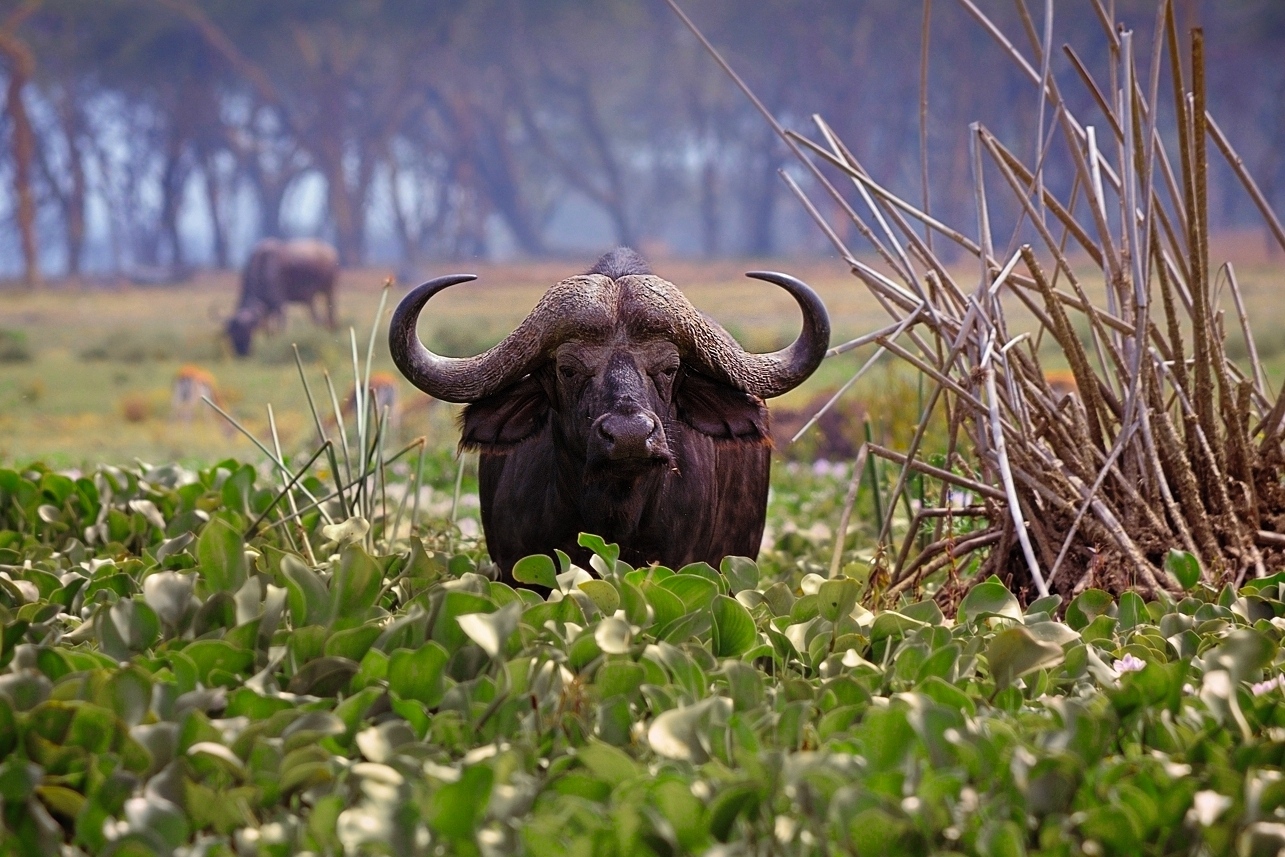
point(281, 272)
point(617, 408)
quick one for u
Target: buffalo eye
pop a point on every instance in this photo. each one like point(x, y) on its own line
point(567, 372)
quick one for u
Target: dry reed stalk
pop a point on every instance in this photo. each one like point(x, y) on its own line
point(1164, 443)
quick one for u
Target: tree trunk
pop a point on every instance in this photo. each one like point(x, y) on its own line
point(219, 233)
point(21, 63)
point(74, 210)
point(66, 182)
point(710, 221)
point(172, 180)
point(401, 221)
point(492, 162)
point(761, 198)
point(328, 147)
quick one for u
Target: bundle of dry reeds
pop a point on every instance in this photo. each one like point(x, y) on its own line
point(1165, 445)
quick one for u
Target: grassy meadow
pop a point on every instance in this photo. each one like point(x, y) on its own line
point(86, 371)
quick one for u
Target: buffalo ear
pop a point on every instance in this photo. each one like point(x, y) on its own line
point(505, 419)
point(720, 411)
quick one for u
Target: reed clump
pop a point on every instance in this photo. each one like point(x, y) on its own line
point(1164, 454)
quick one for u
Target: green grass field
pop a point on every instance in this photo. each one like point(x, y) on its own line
point(85, 373)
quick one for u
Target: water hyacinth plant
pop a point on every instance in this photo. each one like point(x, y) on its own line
point(170, 685)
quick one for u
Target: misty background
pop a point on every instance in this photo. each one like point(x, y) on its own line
point(162, 135)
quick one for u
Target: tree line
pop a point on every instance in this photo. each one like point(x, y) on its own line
point(174, 132)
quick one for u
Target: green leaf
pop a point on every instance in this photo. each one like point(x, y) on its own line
point(454, 604)
point(306, 643)
point(1047, 604)
point(355, 587)
point(744, 684)
point(634, 604)
point(326, 676)
point(352, 643)
point(1004, 839)
point(942, 693)
point(491, 631)
point(693, 590)
point(1133, 611)
point(734, 629)
point(237, 489)
point(221, 553)
point(665, 605)
point(729, 804)
point(1184, 567)
point(741, 572)
point(307, 596)
point(536, 570)
point(875, 831)
point(1242, 654)
point(618, 678)
point(1087, 606)
point(598, 546)
point(676, 733)
point(1016, 652)
point(215, 654)
point(890, 624)
point(689, 625)
point(169, 594)
point(418, 675)
point(837, 597)
point(135, 624)
point(924, 611)
point(458, 808)
point(18, 780)
point(157, 815)
point(705, 570)
point(374, 668)
point(609, 764)
point(603, 594)
point(129, 694)
point(989, 598)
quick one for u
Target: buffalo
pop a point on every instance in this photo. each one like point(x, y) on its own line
point(281, 272)
point(617, 408)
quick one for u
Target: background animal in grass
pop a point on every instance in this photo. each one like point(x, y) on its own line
point(617, 408)
point(192, 384)
point(281, 272)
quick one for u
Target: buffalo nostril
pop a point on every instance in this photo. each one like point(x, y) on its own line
point(628, 435)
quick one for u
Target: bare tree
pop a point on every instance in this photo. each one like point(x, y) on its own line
point(21, 65)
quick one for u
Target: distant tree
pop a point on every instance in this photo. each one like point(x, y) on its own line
point(20, 65)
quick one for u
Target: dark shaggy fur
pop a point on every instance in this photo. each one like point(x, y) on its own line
point(621, 262)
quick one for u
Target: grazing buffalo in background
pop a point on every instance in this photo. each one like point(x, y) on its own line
point(281, 272)
point(617, 408)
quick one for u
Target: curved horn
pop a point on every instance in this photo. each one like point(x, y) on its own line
point(565, 308)
point(782, 371)
point(446, 378)
point(763, 375)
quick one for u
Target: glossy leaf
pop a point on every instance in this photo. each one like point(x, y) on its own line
point(989, 598)
point(537, 570)
point(734, 629)
point(1016, 652)
point(221, 553)
point(418, 675)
